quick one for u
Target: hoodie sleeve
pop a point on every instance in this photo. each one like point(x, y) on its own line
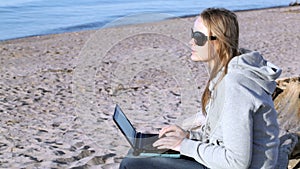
point(197, 135)
point(237, 127)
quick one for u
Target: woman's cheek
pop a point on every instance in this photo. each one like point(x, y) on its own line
point(200, 54)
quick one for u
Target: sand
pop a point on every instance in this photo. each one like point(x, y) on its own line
point(58, 92)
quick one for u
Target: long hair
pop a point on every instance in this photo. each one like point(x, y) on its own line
point(223, 24)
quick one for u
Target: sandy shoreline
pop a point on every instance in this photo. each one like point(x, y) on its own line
point(57, 92)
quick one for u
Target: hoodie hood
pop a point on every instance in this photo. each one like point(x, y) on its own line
point(256, 68)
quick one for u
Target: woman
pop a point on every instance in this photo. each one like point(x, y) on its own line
point(241, 129)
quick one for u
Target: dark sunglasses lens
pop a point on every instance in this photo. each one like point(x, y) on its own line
point(200, 38)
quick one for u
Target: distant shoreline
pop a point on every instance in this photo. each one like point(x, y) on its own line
point(244, 10)
point(100, 27)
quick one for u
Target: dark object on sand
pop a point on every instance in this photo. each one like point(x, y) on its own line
point(296, 3)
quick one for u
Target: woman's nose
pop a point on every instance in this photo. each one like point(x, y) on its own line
point(192, 42)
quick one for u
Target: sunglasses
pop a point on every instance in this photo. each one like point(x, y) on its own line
point(200, 39)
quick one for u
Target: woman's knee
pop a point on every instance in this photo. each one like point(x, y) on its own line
point(123, 164)
point(128, 163)
point(140, 163)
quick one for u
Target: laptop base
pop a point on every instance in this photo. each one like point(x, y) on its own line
point(144, 154)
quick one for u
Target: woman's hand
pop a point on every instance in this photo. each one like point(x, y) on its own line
point(173, 136)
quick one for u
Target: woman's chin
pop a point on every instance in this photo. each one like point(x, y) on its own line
point(195, 58)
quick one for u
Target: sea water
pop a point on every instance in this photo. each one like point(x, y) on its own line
point(22, 18)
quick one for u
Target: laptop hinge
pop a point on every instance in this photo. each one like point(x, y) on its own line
point(138, 140)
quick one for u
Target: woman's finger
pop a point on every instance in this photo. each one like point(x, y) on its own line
point(164, 147)
point(163, 131)
point(160, 142)
point(169, 143)
point(168, 129)
point(172, 134)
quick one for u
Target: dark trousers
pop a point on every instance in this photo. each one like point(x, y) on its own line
point(160, 163)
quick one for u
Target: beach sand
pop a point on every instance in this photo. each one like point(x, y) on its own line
point(58, 92)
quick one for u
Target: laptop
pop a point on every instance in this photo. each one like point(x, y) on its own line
point(141, 143)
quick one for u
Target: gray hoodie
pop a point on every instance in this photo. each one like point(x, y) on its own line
point(241, 129)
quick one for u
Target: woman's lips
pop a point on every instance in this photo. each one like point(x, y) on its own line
point(193, 51)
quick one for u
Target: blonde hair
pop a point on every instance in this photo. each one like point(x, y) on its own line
point(223, 24)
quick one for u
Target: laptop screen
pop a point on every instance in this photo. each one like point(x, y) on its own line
point(124, 125)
